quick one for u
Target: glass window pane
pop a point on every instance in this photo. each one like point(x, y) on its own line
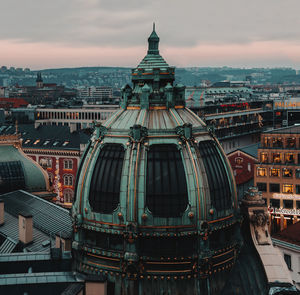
point(287, 188)
point(262, 186)
point(275, 203)
point(105, 183)
point(166, 188)
point(274, 188)
point(261, 171)
point(219, 184)
point(11, 176)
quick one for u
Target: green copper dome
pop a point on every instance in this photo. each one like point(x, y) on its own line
point(156, 206)
point(17, 170)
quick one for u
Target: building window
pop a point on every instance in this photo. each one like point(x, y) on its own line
point(288, 261)
point(297, 189)
point(238, 160)
point(261, 171)
point(288, 204)
point(51, 178)
point(276, 158)
point(218, 180)
point(275, 203)
point(249, 167)
point(297, 173)
point(267, 141)
point(68, 196)
point(274, 188)
point(264, 157)
point(262, 186)
point(277, 142)
point(275, 172)
point(68, 164)
point(291, 142)
point(106, 180)
point(298, 204)
point(287, 172)
point(68, 180)
point(46, 162)
point(166, 187)
point(287, 188)
point(289, 158)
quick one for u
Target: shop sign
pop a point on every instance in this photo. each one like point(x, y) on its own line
point(284, 211)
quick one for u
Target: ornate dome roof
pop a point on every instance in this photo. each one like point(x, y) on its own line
point(155, 194)
point(17, 170)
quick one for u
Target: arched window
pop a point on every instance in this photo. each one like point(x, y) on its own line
point(105, 183)
point(68, 179)
point(166, 188)
point(219, 187)
point(68, 196)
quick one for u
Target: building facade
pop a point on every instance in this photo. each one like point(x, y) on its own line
point(75, 118)
point(58, 151)
point(277, 175)
point(242, 162)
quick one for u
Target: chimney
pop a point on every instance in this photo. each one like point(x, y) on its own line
point(1, 212)
point(63, 241)
point(25, 228)
point(36, 124)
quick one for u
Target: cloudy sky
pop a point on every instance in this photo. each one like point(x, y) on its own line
point(70, 33)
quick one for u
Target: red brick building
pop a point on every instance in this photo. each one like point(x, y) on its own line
point(242, 162)
point(56, 150)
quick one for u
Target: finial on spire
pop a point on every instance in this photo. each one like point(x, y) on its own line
point(153, 42)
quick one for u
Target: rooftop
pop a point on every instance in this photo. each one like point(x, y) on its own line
point(42, 212)
point(47, 137)
point(295, 129)
point(291, 234)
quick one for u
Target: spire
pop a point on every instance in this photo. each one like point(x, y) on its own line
point(153, 42)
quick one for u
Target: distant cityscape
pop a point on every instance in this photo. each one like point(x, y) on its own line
point(150, 180)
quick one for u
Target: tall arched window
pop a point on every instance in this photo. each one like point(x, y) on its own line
point(105, 183)
point(219, 187)
point(166, 188)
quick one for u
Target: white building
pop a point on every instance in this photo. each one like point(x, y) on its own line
point(75, 118)
point(288, 241)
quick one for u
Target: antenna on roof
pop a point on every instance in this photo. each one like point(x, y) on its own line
point(153, 26)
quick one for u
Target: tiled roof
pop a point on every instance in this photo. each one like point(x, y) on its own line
point(17, 102)
point(251, 149)
point(48, 218)
point(10, 229)
point(291, 234)
point(151, 61)
point(47, 137)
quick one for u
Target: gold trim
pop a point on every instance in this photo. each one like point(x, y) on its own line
point(221, 219)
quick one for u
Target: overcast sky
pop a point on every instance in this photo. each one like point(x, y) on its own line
point(70, 33)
